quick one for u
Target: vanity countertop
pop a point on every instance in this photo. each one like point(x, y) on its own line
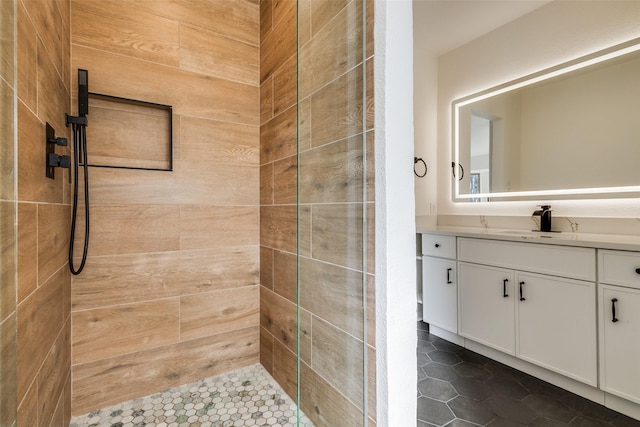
point(601, 241)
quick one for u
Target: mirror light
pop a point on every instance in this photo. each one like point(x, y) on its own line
point(577, 64)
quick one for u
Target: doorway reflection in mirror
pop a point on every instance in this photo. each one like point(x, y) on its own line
point(480, 161)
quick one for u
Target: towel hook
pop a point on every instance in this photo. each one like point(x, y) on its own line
point(453, 170)
point(417, 160)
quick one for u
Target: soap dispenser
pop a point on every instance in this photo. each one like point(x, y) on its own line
point(545, 217)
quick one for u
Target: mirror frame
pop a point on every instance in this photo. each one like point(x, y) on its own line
point(545, 74)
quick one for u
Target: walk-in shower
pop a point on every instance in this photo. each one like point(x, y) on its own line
point(176, 259)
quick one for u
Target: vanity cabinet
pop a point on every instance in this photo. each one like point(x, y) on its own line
point(439, 282)
point(542, 306)
point(619, 323)
point(534, 301)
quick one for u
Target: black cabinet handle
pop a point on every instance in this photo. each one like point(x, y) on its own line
point(504, 288)
point(522, 298)
point(449, 276)
point(437, 245)
point(614, 319)
point(637, 270)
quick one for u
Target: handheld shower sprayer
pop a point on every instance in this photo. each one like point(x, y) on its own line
point(83, 93)
point(79, 125)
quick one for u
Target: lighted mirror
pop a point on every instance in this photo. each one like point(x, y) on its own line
point(572, 131)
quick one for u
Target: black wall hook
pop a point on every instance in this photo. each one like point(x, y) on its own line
point(417, 160)
point(453, 170)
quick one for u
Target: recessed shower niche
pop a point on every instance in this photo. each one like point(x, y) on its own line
point(128, 133)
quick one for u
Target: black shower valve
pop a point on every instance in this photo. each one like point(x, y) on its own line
point(54, 160)
point(57, 161)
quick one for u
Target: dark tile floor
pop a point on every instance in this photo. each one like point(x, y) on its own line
point(459, 388)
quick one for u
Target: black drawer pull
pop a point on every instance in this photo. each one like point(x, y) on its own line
point(449, 276)
point(614, 319)
point(437, 245)
point(504, 288)
point(522, 298)
point(637, 270)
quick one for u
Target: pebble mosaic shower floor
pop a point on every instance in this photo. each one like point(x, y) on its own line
point(244, 397)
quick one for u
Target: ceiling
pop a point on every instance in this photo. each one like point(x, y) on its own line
point(443, 25)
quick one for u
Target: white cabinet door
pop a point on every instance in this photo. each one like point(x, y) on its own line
point(620, 341)
point(486, 305)
point(439, 296)
point(556, 325)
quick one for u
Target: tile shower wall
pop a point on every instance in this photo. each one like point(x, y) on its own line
point(278, 193)
point(43, 319)
point(332, 346)
point(170, 291)
point(8, 247)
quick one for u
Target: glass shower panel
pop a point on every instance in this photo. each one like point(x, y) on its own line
point(332, 214)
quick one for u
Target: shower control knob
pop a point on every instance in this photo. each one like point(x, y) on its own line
point(58, 141)
point(56, 161)
point(65, 162)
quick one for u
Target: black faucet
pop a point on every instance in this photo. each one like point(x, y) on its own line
point(545, 217)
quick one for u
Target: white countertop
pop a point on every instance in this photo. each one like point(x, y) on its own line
point(601, 241)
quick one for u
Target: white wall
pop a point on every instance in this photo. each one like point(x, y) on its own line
point(553, 34)
point(396, 335)
point(425, 107)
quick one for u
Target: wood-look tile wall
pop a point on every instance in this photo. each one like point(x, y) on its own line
point(331, 155)
point(8, 231)
point(170, 290)
point(43, 294)
point(278, 213)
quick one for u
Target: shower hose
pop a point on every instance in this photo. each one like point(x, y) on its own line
point(79, 149)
